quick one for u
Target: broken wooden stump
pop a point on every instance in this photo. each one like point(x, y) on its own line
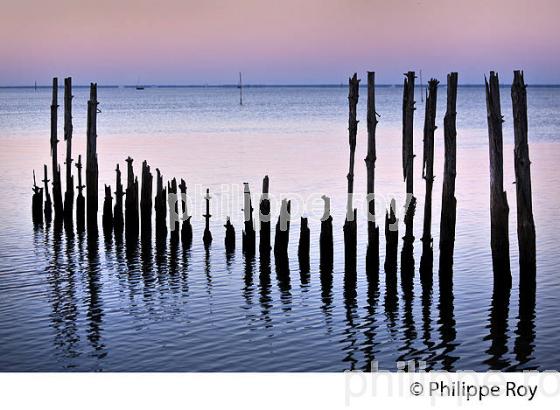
point(391, 239)
point(48, 202)
point(80, 200)
point(448, 201)
point(264, 218)
point(37, 203)
point(108, 211)
point(248, 238)
point(304, 245)
point(160, 206)
point(326, 237)
point(426, 261)
point(407, 253)
point(350, 228)
point(92, 172)
point(372, 253)
point(499, 209)
point(57, 189)
point(118, 217)
point(146, 203)
point(131, 214)
point(173, 205)
point(68, 130)
point(230, 237)
point(525, 221)
point(186, 228)
point(207, 236)
point(282, 237)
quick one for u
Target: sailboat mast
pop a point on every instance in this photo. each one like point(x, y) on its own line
point(240, 90)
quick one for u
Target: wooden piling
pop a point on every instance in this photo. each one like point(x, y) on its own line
point(173, 205)
point(146, 203)
point(68, 130)
point(186, 228)
point(264, 218)
point(248, 238)
point(118, 217)
point(230, 236)
point(207, 237)
point(372, 254)
point(350, 229)
point(57, 189)
point(131, 214)
point(282, 237)
point(426, 261)
point(108, 210)
point(37, 203)
point(391, 239)
point(160, 207)
point(499, 209)
point(304, 245)
point(326, 237)
point(92, 172)
point(80, 200)
point(525, 221)
point(48, 202)
point(448, 200)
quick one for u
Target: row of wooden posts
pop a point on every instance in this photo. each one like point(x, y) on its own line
point(135, 216)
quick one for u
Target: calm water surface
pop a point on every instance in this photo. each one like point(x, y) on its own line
point(69, 302)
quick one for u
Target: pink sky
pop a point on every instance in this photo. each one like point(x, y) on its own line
point(275, 42)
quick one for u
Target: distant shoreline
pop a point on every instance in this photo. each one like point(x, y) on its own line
point(264, 86)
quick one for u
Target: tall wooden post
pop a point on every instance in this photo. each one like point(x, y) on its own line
point(207, 237)
point(350, 230)
point(525, 221)
point(57, 189)
point(68, 129)
point(131, 214)
point(146, 203)
point(248, 242)
point(326, 237)
point(448, 200)
point(92, 172)
point(499, 209)
point(48, 202)
point(372, 255)
point(80, 200)
point(426, 261)
point(118, 217)
point(160, 207)
point(186, 228)
point(264, 219)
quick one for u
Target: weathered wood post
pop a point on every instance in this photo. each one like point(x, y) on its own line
point(407, 258)
point(173, 205)
point(48, 202)
point(160, 207)
point(391, 239)
point(326, 237)
point(304, 245)
point(499, 209)
point(448, 200)
point(230, 236)
point(57, 189)
point(146, 203)
point(108, 210)
point(37, 203)
point(426, 261)
point(248, 237)
point(350, 230)
point(282, 236)
point(525, 221)
point(131, 215)
point(372, 254)
point(80, 200)
point(118, 217)
point(207, 237)
point(68, 129)
point(92, 172)
point(186, 228)
point(264, 218)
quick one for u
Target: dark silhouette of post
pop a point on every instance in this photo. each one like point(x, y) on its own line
point(160, 206)
point(407, 258)
point(131, 215)
point(326, 237)
point(207, 236)
point(350, 230)
point(448, 200)
point(230, 236)
point(525, 221)
point(173, 205)
point(249, 231)
point(48, 202)
point(68, 129)
point(426, 261)
point(92, 172)
point(391, 239)
point(146, 203)
point(186, 228)
point(118, 217)
point(108, 210)
point(499, 209)
point(264, 219)
point(57, 189)
point(37, 203)
point(304, 245)
point(282, 236)
point(80, 200)
point(372, 254)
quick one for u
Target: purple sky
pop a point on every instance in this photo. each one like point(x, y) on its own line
point(276, 42)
